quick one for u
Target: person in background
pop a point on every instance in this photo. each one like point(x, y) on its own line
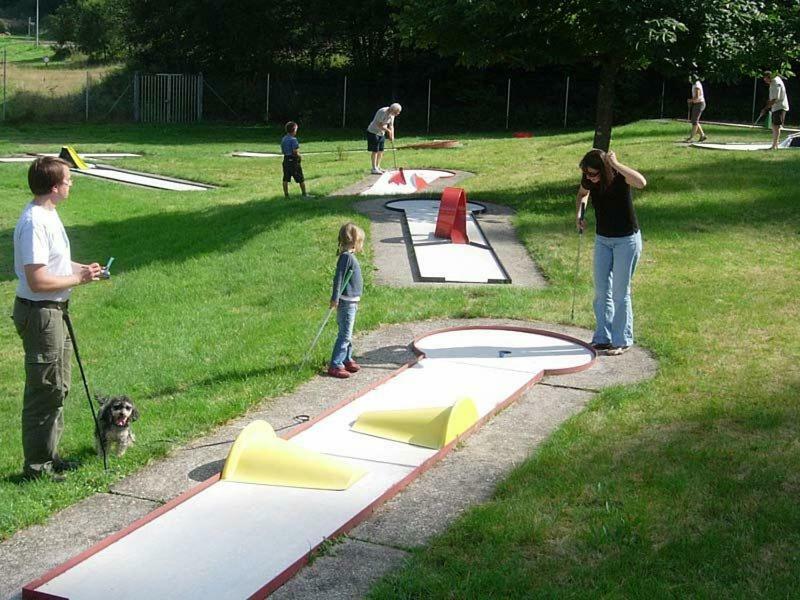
point(607, 183)
point(697, 104)
point(382, 125)
point(777, 105)
point(290, 147)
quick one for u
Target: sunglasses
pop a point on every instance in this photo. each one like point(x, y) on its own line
point(591, 174)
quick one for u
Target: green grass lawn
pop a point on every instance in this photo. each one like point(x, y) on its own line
point(686, 485)
point(19, 48)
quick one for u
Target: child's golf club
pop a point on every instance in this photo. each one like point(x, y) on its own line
point(577, 262)
point(106, 272)
point(324, 322)
point(68, 321)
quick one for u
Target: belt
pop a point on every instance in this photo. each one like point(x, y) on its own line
point(44, 303)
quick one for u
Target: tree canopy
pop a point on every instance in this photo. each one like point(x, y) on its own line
point(719, 38)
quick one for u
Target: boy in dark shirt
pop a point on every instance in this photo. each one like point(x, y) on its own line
point(290, 147)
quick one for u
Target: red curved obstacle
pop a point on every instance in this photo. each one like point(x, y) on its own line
point(522, 134)
point(451, 222)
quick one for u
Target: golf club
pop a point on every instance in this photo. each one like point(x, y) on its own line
point(400, 176)
point(68, 321)
point(760, 115)
point(577, 263)
point(394, 154)
point(324, 322)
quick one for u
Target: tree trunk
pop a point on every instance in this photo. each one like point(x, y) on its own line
point(605, 104)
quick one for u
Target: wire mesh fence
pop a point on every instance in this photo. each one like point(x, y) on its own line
point(433, 101)
point(64, 95)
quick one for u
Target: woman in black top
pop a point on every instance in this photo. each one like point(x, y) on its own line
point(617, 246)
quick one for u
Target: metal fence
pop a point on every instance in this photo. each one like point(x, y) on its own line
point(433, 101)
point(167, 98)
point(44, 92)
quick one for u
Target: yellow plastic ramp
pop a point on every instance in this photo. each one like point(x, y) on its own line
point(69, 154)
point(259, 456)
point(428, 427)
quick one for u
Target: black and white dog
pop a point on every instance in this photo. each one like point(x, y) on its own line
point(115, 418)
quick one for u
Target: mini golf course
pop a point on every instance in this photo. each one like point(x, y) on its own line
point(245, 533)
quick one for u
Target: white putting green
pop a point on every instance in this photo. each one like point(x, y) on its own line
point(442, 261)
point(234, 540)
point(384, 186)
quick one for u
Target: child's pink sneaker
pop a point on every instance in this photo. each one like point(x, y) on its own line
point(338, 372)
point(352, 366)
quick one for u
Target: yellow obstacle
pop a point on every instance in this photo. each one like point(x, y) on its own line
point(428, 427)
point(259, 456)
point(69, 154)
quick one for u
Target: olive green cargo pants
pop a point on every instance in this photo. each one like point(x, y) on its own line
point(48, 371)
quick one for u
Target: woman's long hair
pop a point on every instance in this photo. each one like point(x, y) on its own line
point(596, 159)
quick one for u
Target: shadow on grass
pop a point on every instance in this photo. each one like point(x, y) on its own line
point(81, 456)
point(172, 238)
point(232, 375)
point(712, 490)
point(773, 199)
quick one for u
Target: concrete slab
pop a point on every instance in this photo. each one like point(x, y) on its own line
point(469, 475)
point(395, 267)
point(346, 571)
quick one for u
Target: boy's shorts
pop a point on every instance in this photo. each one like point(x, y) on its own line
point(697, 110)
point(778, 118)
point(292, 168)
point(375, 142)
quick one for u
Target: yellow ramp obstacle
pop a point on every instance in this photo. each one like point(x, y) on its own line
point(69, 154)
point(428, 427)
point(260, 456)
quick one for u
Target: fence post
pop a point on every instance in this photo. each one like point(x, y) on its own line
point(663, 90)
point(266, 117)
point(428, 121)
point(200, 98)
point(508, 101)
point(755, 84)
point(344, 103)
point(4, 84)
point(136, 96)
point(87, 96)
point(566, 102)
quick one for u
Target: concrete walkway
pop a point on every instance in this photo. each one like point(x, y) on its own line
point(348, 569)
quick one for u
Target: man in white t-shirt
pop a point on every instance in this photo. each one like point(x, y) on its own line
point(778, 105)
point(46, 273)
point(697, 104)
point(382, 125)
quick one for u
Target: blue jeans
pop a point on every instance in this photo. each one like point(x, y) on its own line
point(615, 261)
point(343, 346)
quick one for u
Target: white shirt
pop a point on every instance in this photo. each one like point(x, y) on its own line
point(698, 97)
point(777, 92)
point(40, 239)
point(383, 118)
